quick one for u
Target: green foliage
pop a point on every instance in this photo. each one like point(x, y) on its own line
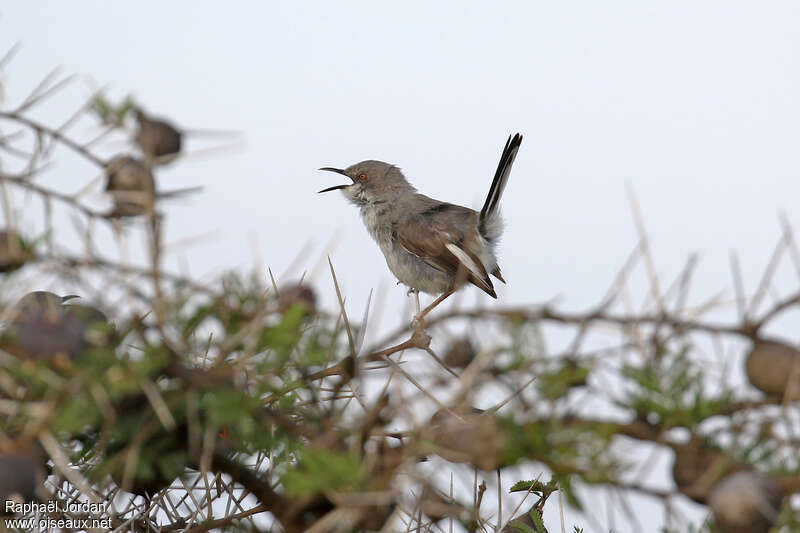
point(535, 486)
point(565, 448)
point(527, 344)
point(788, 519)
point(283, 338)
point(670, 390)
point(112, 114)
point(223, 404)
point(557, 382)
point(532, 520)
point(322, 470)
point(78, 412)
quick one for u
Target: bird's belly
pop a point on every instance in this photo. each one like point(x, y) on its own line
point(414, 272)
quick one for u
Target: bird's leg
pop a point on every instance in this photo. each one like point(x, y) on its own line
point(419, 319)
point(415, 292)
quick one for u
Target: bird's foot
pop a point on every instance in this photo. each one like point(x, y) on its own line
point(411, 290)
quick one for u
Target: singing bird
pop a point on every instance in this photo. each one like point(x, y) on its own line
point(430, 246)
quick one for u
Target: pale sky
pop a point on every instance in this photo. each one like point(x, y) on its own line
point(694, 104)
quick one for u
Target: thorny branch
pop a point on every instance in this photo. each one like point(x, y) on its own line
point(249, 389)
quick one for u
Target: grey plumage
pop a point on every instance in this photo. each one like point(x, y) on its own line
point(42, 326)
point(431, 246)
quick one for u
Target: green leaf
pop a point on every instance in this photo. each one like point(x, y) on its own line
point(537, 520)
point(322, 470)
point(521, 526)
point(556, 384)
point(535, 486)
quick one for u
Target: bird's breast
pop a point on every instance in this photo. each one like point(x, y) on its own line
point(406, 267)
point(412, 271)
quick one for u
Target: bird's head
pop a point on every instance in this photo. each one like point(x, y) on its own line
point(371, 182)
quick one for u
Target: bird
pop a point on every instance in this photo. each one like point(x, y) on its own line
point(430, 246)
point(43, 326)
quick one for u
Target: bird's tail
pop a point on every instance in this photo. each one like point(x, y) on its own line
point(489, 220)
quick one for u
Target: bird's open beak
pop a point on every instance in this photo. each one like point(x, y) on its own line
point(335, 187)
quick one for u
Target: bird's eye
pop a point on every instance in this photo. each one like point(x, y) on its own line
point(362, 176)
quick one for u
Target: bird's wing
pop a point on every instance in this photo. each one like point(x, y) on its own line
point(440, 242)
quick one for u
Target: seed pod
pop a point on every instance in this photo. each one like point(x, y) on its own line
point(745, 502)
point(691, 462)
point(471, 437)
point(698, 467)
point(460, 353)
point(159, 141)
point(437, 507)
point(773, 366)
point(13, 251)
point(297, 295)
point(21, 474)
point(131, 185)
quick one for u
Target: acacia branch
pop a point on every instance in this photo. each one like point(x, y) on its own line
point(55, 134)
